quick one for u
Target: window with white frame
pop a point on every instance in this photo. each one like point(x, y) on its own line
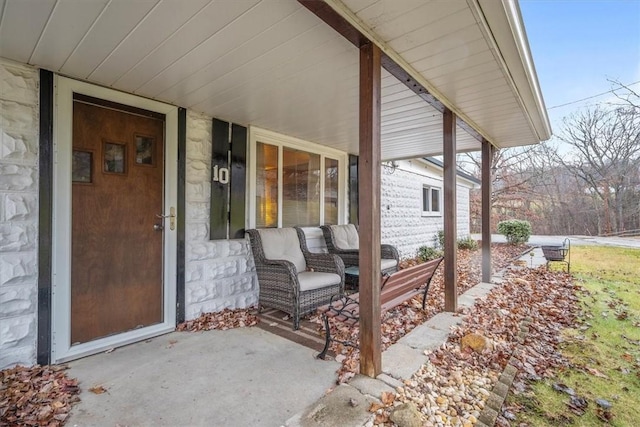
point(430, 200)
point(295, 183)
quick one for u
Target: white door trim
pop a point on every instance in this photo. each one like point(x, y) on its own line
point(61, 349)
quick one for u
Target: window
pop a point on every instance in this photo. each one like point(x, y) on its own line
point(266, 185)
point(430, 200)
point(295, 183)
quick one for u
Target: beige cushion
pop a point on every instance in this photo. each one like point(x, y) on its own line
point(387, 263)
point(314, 280)
point(283, 244)
point(345, 236)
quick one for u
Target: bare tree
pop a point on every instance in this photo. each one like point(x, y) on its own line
point(605, 155)
point(589, 186)
point(516, 176)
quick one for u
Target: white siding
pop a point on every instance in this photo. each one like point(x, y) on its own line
point(402, 222)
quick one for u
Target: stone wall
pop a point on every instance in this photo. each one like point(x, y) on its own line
point(402, 222)
point(219, 273)
point(18, 213)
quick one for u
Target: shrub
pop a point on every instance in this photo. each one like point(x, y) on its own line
point(439, 239)
point(427, 253)
point(467, 243)
point(463, 243)
point(515, 230)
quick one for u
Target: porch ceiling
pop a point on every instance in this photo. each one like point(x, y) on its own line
point(274, 64)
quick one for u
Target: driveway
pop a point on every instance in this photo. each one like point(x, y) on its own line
point(539, 240)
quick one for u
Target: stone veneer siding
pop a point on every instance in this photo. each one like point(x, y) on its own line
point(401, 219)
point(18, 213)
point(219, 273)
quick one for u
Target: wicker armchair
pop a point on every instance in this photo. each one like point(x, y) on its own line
point(291, 278)
point(342, 240)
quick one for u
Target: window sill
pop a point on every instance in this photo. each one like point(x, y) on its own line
point(431, 214)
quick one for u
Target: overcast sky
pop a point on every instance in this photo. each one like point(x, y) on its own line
point(577, 45)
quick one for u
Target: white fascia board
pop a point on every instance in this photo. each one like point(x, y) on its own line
point(501, 22)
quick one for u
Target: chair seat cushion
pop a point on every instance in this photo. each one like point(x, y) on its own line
point(310, 280)
point(388, 263)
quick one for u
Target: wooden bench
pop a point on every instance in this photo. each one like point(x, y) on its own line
point(395, 289)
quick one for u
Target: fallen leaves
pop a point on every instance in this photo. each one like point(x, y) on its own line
point(98, 389)
point(401, 320)
point(596, 373)
point(36, 396)
point(563, 388)
point(223, 320)
point(382, 409)
point(578, 405)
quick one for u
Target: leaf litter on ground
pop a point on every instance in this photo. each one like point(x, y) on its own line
point(36, 396)
point(223, 320)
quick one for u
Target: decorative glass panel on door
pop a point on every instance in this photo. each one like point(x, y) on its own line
point(330, 191)
point(300, 188)
point(266, 185)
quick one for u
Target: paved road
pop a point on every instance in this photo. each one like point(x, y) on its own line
point(537, 240)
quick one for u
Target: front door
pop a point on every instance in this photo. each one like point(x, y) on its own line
point(116, 245)
point(114, 229)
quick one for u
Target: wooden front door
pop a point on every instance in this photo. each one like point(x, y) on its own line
point(117, 237)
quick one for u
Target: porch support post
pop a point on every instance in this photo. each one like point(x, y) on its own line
point(369, 211)
point(487, 149)
point(450, 212)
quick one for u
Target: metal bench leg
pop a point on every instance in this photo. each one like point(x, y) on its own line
point(327, 340)
point(424, 297)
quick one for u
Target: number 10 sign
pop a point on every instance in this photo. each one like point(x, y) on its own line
point(220, 175)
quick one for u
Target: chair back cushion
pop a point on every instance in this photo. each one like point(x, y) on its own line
point(345, 236)
point(283, 243)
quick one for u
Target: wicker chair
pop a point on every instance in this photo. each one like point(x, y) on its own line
point(342, 240)
point(291, 278)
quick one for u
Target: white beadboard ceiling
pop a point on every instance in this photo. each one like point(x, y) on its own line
point(274, 64)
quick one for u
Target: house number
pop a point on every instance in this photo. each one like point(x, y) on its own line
point(220, 175)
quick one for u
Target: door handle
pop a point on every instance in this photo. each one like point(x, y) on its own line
point(158, 227)
point(171, 216)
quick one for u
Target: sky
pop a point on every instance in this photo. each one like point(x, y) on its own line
point(577, 46)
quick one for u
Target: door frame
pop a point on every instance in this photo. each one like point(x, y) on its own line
point(61, 349)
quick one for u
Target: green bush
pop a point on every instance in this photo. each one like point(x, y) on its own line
point(467, 243)
point(515, 230)
point(463, 243)
point(427, 253)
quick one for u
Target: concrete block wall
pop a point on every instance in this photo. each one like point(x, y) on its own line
point(402, 222)
point(19, 122)
point(219, 274)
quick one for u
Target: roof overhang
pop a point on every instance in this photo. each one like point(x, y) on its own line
point(276, 65)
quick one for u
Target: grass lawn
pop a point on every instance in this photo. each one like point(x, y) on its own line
point(604, 353)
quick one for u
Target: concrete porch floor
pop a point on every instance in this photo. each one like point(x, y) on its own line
point(240, 377)
point(245, 377)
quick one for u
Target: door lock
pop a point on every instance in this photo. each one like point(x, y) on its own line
point(172, 219)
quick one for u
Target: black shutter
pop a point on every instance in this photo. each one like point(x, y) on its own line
point(181, 234)
point(238, 181)
point(353, 189)
point(218, 219)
